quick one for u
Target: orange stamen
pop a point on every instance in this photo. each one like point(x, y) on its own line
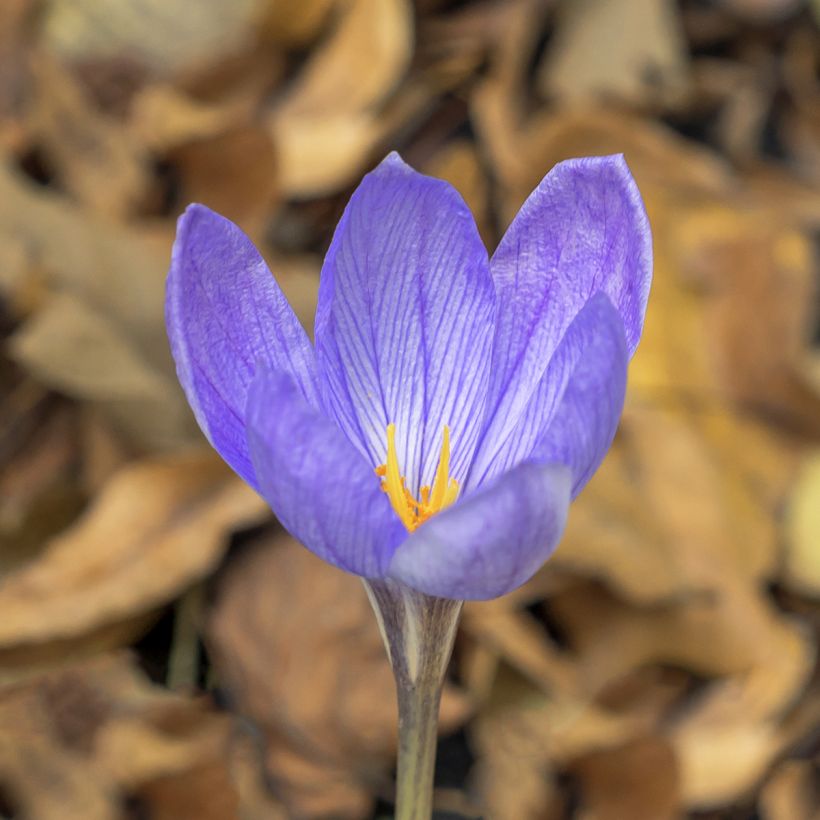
point(410, 511)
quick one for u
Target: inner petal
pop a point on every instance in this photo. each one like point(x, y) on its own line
point(404, 321)
point(413, 512)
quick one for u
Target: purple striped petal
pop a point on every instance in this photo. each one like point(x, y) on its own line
point(586, 377)
point(404, 322)
point(225, 313)
point(318, 484)
point(490, 542)
point(583, 230)
point(583, 427)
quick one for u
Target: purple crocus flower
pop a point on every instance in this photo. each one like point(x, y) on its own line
point(453, 405)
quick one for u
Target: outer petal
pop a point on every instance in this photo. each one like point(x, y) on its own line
point(404, 322)
point(585, 378)
point(581, 431)
point(490, 542)
point(583, 230)
point(225, 313)
point(318, 484)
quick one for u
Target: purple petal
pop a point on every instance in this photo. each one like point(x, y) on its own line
point(586, 378)
point(404, 323)
point(581, 430)
point(318, 484)
point(583, 230)
point(490, 542)
point(225, 313)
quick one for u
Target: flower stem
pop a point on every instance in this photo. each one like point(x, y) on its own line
point(418, 632)
point(418, 731)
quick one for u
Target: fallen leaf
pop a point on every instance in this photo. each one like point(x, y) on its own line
point(233, 172)
point(69, 347)
point(802, 556)
point(157, 526)
point(83, 741)
point(163, 117)
point(675, 506)
point(639, 779)
point(646, 62)
point(295, 22)
point(95, 159)
point(158, 35)
point(791, 793)
point(333, 102)
point(297, 645)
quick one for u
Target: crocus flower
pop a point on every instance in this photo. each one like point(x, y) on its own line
point(453, 404)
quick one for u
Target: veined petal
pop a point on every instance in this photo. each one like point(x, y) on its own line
point(225, 313)
point(319, 485)
point(585, 378)
point(490, 542)
point(404, 322)
point(581, 430)
point(582, 230)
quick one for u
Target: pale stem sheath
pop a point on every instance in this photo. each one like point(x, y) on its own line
point(418, 632)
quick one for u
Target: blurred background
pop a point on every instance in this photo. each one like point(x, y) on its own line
point(167, 652)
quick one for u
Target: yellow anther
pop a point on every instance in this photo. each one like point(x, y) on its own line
point(410, 511)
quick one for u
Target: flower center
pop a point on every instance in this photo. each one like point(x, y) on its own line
point(410, 511)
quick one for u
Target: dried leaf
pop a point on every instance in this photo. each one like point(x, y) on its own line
point(295, 22)
point(675, 507)
point(158, 526)
point(802, 558)
point(233, 172)
point(78, 352)
point(297, 644)
point(80, 742)
point(96, 160)
point(792, 792)
point(639, 779)
point(646, 61)
point(327, 124)
point(163, 37)
point(163, 117)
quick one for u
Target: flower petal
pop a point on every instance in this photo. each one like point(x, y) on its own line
point(490, 542)
point(318, 484)
point(581, 431)
point(582, 230)
point(225, 313)
point(404, 322)
point(586, 376)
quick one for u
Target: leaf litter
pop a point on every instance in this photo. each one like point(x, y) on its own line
point(166, 651)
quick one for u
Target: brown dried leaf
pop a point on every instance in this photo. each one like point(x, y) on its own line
point(361, 62)
point(521, 736)
point(163, 37)
point(802, 557)
point(678, 504)
point(233, 172)
point(75, 350)
point(78, 742)
point(110, 272)
point(298, 645)
point(295, 22)
point(762, 662)
point(163, 117)
point(792, 792)
point(158, 526)
point(639, 779)
point(646, 61)
point(95, 158)
point(733, 633)
point(327, 124)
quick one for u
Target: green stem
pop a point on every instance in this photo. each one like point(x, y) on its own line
point(418, 733)
point(418, 632)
